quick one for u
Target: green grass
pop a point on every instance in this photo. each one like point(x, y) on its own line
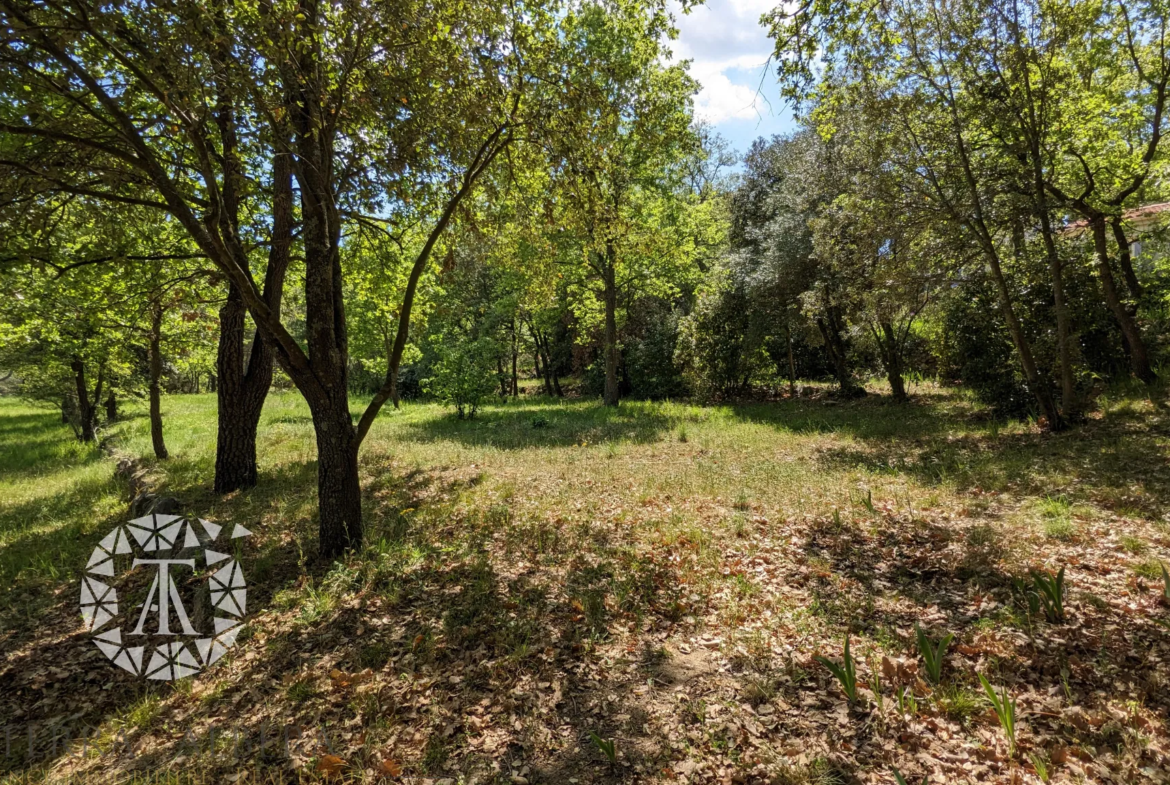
point(484, 537)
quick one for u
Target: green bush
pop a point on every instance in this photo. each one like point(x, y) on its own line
point(718, 349)
point(464, 374)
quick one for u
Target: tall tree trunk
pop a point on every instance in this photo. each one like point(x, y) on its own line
point(338, 487)
point(791, 363)
point(243, 384)
point(552, 370)
point(515, 359)
point(1027, 360)
point(1139, 359)
point(156, 423)
point(111, 407)
point(85, 409)
point(609, 276)
point(1125, 259)
point(536, 360)
point(1070, 401)
point(545, 362)
point(326, 383)
point(840, 370)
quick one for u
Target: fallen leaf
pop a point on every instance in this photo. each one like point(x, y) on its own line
point(390, 768)
point(330, 765)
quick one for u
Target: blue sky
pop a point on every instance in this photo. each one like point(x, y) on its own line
point(728, 50)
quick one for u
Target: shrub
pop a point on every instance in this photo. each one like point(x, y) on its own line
point(464, 374)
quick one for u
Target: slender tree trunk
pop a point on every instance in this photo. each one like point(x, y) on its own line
point(156, 423)
point(1070, 401)
point(1138, 357)
point(609, 275)
point(502, 377)
point(85, 409)
point(515, 359)
point(111, 407)
point(1125, 259)
point(556, 380)
point(545, 362)
point(536, 360)
point(791, 363)
point(1031, 373)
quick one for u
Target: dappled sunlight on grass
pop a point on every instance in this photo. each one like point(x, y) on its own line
point(551, 571)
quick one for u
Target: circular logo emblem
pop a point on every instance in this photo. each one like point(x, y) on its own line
point(184, 600)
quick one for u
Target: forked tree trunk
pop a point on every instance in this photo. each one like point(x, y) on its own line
point(891, 354)
point(609, 281)
point(1125, 259)
point(1139, 358)
point(241, 399)
point(156, 423)
point(838, 353)
point(242, 384)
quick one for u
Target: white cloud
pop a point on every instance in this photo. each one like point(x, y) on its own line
point(728, 49)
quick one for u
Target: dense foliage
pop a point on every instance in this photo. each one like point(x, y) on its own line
point(462, 200)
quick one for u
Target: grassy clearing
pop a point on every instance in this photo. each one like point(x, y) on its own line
point(660, 576)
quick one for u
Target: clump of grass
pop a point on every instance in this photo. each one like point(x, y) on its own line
point(142, 714)
point(901, 779)
point(374, 655)
point(1040, 764)
point(301, 690)
point(819, 772)
point(739, 524)
point(958, 703)
point(1133, 545)
point(1056, 514)
point(982, 536)
point(1150, 569)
